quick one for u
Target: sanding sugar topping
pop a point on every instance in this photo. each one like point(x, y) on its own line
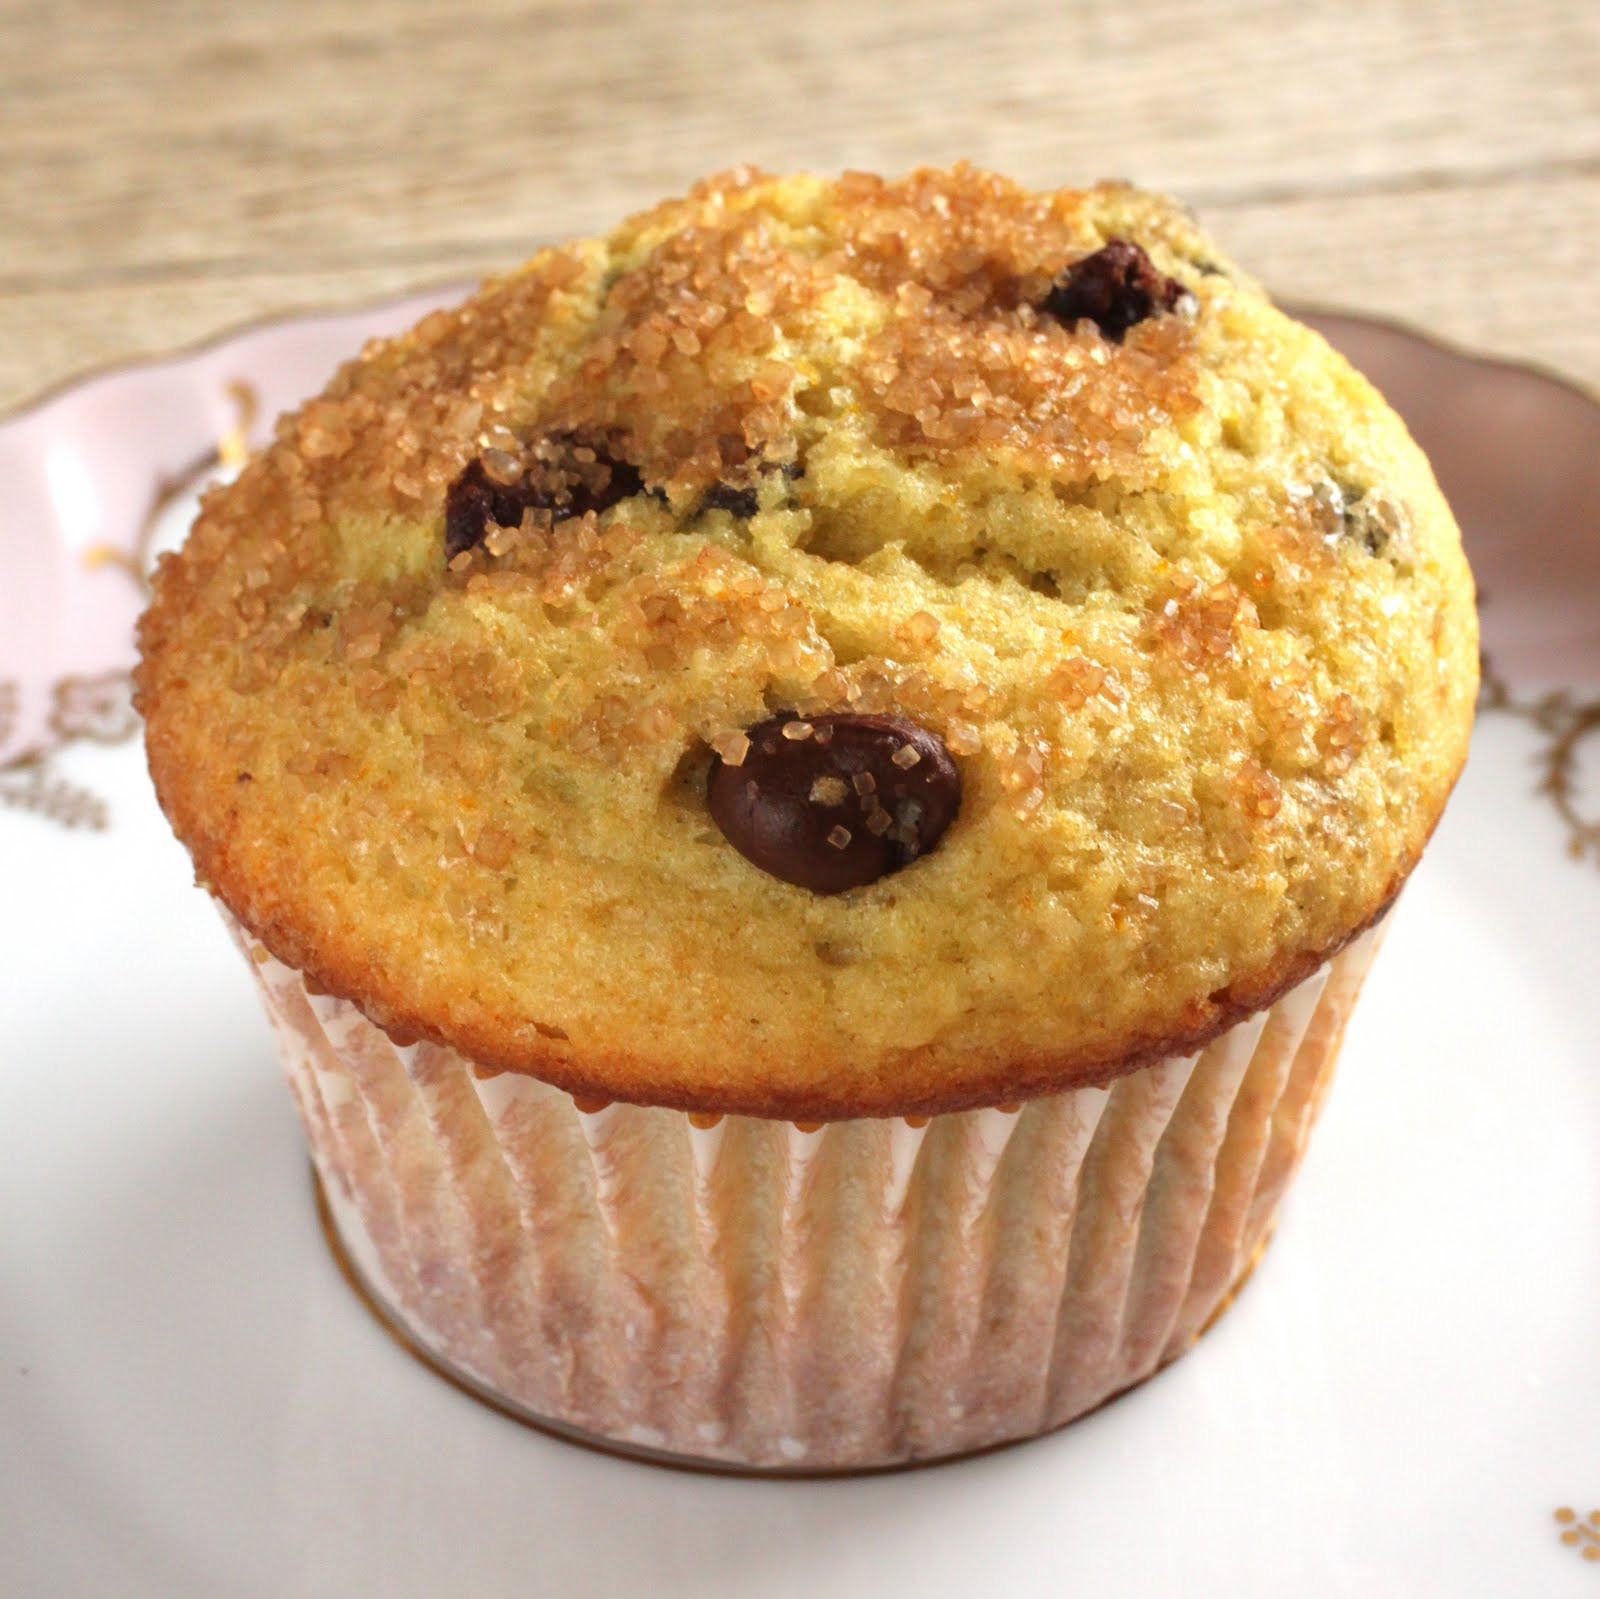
point(682, 356)
point(746, 631)
point(555, 426)
point(970, 360)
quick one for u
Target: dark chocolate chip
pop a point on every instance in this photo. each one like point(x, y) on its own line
point(474, 501)
point(583, 472)
point(566, 474)
point(728, 497)
point(1114, 288)
point(844, 801)
point(743, 499)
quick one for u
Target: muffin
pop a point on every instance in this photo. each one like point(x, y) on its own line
point(810, 785)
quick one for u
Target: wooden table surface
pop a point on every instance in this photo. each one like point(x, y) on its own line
point(171, 169)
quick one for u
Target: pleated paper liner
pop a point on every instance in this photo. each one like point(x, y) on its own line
point(389, 1321)
point(754, 1296)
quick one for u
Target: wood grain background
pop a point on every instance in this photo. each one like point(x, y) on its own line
point(170, 169)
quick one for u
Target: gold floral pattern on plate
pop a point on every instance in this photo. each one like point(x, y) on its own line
point(97, 708)
point(1582, 1534)
point(1564, 722)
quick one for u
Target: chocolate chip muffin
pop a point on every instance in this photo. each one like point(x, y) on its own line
point(830, 654)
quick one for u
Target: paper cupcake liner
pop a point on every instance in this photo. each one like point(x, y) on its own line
point(766, 1298)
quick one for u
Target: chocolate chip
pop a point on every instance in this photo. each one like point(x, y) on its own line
point(582, 472)
point(1114, 288)
point(566, 474)
point(835, 802)
point(743, 499)
point(475, 500)
point(727, 497)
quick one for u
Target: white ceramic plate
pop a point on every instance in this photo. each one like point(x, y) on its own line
point(192, 1402)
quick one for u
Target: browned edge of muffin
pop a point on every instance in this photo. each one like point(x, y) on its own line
point(609, 1078)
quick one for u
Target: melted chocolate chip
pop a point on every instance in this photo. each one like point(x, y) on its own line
point(566, 474)
point(835, 802)
point(475, 500)
point(743, 499)
point(1114, 288)
point(729, 497)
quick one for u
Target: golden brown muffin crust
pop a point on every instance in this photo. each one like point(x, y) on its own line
point(1182, 600)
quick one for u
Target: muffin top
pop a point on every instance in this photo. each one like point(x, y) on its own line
point(830, 647)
